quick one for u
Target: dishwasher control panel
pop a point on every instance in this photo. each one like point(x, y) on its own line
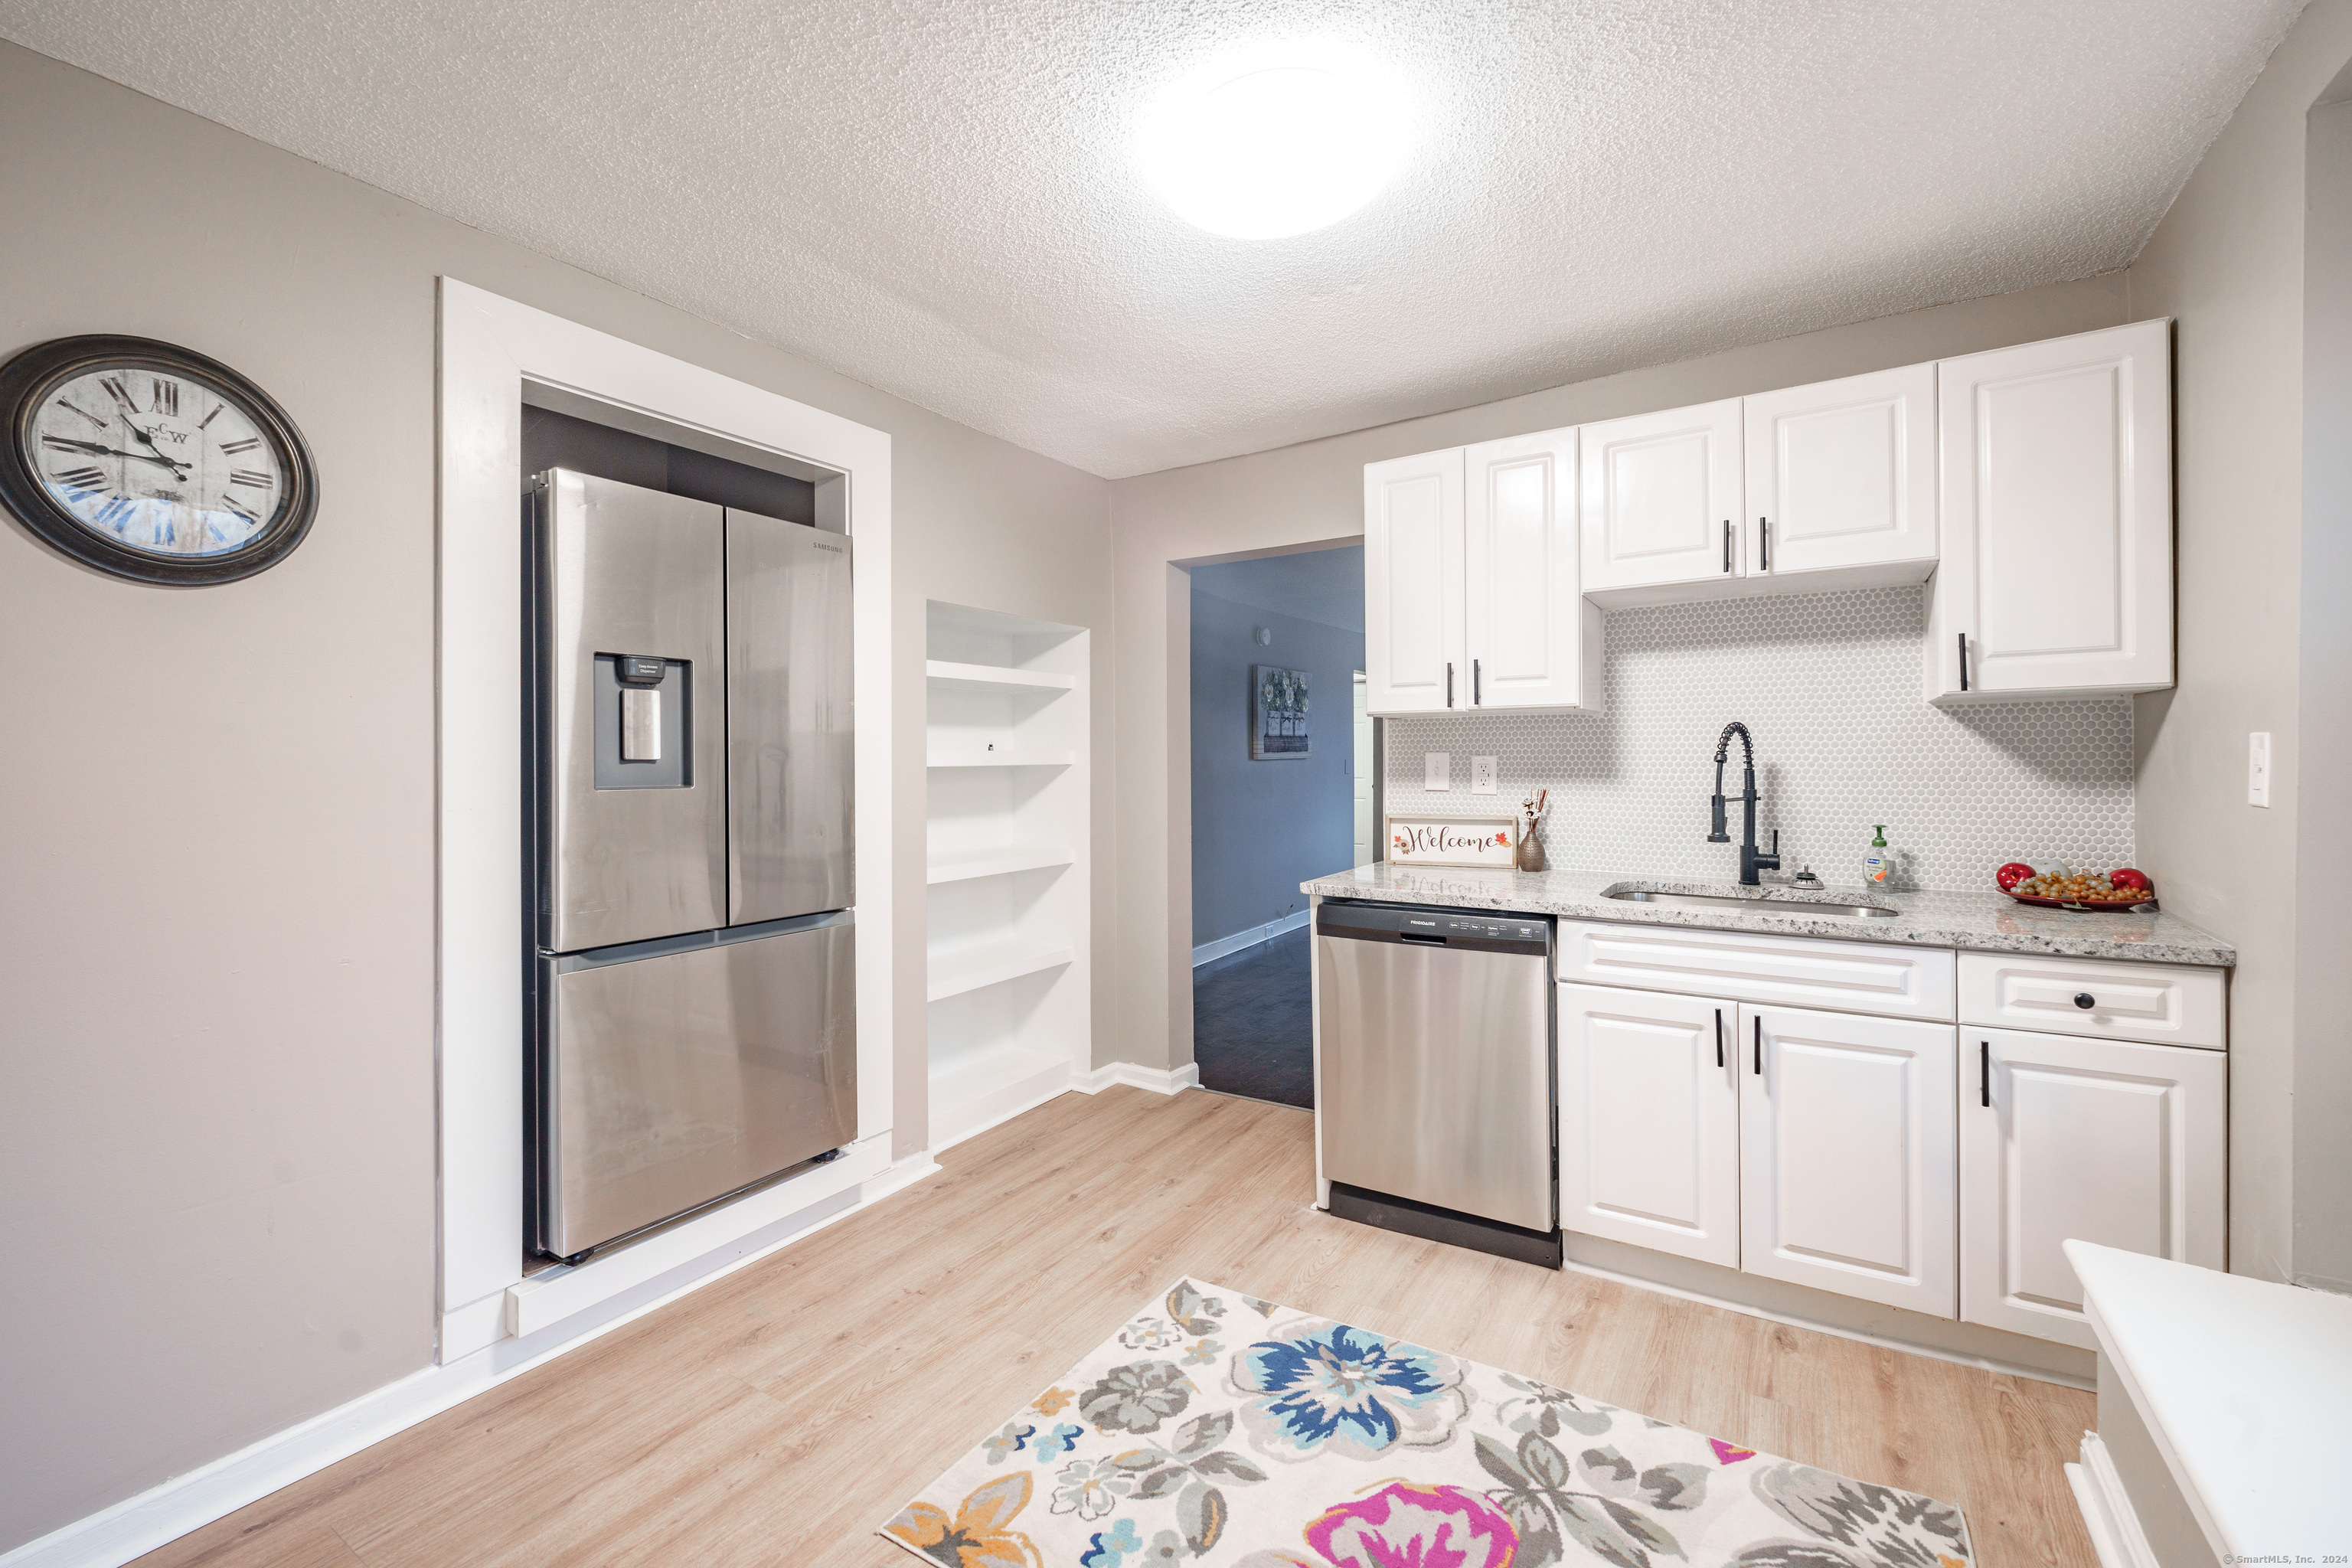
point(1487, 931)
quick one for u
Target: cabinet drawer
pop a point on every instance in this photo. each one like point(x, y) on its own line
point(1795, 971)
point(2164, 1004)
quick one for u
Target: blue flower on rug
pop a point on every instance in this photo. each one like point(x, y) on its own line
point(1109, 1549)
point(1061, 1440)
point(1327, 1388)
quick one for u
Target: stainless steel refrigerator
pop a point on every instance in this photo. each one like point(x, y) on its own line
point(693, 969)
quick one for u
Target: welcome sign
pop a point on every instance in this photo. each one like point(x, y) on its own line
point(1488, 841)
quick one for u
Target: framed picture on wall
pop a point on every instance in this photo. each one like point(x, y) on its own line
point(1278, 713)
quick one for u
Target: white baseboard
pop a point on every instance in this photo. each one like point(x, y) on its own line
point(2116, 1534)
point(1250, 938)
point(164, 1513)
point(1159, 1080)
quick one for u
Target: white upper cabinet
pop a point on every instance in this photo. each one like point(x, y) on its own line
point(2056, 490)
point(2100, 1141)
point(1848, 1169)
point(1533, 640)
point(1649, 1120)
point(1662, 504)
point(1414, 639)
point(1842, 479)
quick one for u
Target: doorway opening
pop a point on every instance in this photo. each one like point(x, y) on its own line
point(1284, 788)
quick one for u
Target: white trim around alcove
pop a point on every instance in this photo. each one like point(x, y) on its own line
point(490, 349)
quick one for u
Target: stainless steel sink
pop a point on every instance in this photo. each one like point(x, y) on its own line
point(1764, 904)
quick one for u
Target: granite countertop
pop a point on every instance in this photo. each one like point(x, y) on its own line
point(1982, 922)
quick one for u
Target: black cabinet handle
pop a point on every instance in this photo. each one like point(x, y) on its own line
point(2085, 1001)
point(1764, 543)
point(1984, 1073)
point(1478, 684)
point(1718, 1036)
point(1964, 661)
point(1727, 546)
point(1759, 1047)
point(1449, 683)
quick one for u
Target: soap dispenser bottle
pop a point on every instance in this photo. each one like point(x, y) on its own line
point(1877, 863)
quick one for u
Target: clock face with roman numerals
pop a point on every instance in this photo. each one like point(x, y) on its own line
point(158, 461)
point(152, 461)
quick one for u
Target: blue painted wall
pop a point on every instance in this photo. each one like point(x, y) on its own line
point(1260, 829)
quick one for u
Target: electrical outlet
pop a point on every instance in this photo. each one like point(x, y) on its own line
point(1437, 770)
point(2258, 768)
point(1482, 775)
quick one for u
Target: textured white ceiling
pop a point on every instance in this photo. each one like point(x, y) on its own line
point(1325, 585)
point(935, 196)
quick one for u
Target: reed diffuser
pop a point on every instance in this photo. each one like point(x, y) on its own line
point(1532, 854)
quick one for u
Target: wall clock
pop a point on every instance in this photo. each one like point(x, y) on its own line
point(152, 461)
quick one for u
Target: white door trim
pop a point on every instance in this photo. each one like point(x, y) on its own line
point(489, 347)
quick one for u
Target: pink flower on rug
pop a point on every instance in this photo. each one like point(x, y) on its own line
point(1405, 1525)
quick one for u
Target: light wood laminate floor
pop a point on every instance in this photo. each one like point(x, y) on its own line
point(780, 1415)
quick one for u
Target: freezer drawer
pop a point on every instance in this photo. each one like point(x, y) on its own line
point(629, 590)
point(673, 1079)
point(789, 782)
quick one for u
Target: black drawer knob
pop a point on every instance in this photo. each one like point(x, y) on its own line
point(2084, 1000)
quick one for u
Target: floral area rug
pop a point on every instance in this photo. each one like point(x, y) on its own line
point(1220, 1429)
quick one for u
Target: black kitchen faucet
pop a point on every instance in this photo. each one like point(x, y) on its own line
point(1750, 862)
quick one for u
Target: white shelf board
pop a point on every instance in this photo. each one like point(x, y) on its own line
point(953, 972)
point(979, 1091)
point(946, 672)
point(1001, 758)
point(996, 860)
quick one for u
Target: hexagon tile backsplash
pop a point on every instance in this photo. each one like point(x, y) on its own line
point(1830, 685)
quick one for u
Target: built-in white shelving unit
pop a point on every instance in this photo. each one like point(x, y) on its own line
point(1006, 865)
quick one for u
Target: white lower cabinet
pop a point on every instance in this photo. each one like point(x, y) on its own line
point(1902, 1160)
point(1847, 1153)
point(1649, 1120)
point(2103, 1140)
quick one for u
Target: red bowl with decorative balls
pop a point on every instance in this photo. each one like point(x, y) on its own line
point(2123, 892)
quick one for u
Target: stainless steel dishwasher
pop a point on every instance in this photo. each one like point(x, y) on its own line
point(1434, 1088)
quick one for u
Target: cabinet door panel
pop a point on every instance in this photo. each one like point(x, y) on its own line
point(1649, 1120)
point(1412, 583)
point(1841, 476)
point(2100, 1140)
point(2056, 501)
point(1534, 642)
point(1847, 1159)
point(1662, 492)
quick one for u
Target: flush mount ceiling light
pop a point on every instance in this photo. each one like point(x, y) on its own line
point(1276, 151)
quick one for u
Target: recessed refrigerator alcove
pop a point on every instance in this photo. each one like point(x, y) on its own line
point(1007, 827)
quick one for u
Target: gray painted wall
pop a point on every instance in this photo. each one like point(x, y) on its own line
point(2322, 999)
point(217, 1138)
point(2227, 264)
point(1260, 829)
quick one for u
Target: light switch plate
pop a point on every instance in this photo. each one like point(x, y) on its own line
point(1437, 770)
point(1482, 775)
point(2258, 768)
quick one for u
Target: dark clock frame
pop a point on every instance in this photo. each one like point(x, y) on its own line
point(26, 378)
